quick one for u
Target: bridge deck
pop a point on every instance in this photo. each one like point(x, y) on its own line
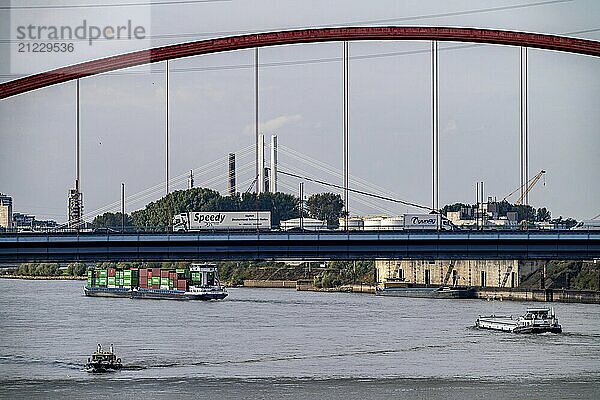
point(66, 247)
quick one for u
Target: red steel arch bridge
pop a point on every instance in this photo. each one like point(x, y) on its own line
point(341, 34)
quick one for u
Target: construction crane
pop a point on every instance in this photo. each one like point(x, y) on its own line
point(528, 186)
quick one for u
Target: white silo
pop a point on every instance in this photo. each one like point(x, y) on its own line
point(392, 223)
point(373, 223)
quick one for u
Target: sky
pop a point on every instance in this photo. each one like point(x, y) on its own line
point(123, 113)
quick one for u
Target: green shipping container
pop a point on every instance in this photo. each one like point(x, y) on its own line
point(90, 278)
point(156, 280)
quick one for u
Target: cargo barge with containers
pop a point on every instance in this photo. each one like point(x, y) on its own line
point(199, 282)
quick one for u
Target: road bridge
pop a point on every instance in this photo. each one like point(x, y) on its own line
point(330, 245)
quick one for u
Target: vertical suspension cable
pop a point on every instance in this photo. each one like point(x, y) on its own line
point(526, 123)
point(432, 124)
point(521, 175)
point(437, 130)
point(345, 129)
point(256, 134)
point(435, 153)
point(78, 201)
point(77, 155)
point(256, 116)
point(168, 116)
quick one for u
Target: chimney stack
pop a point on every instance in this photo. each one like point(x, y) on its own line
point(273, 175)
point(231, 175)
point(191, 180)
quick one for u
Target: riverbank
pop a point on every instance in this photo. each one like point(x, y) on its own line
point(486, 293)
point(45, 278)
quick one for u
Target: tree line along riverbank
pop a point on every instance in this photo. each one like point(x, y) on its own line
point(574, 275)
point(322, 275)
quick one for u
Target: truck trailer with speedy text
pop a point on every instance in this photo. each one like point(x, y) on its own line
point(222, 220)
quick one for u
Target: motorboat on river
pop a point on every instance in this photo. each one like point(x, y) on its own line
point(535, 320)
point(103, 361)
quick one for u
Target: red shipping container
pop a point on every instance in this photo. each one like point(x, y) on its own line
point(155, 271)
point(164, 273)
point(143, 272)
point(111, 272)
point(181, 284)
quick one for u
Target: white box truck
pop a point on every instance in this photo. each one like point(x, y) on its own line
point(222, 220)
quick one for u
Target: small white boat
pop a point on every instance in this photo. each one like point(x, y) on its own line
point(536, 320)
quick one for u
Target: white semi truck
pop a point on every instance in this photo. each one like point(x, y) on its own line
point(426, 222)
point(414, 222)
point(222, 220)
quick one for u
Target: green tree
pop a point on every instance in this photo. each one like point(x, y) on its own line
point(543, 215)
point(26, 269)
point(111, 220)
point(76, 269)
point(567, 223)
point(159, 214)
point(453, 207)
point(326, 207)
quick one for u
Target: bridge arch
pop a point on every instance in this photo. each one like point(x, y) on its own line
point(489, 36)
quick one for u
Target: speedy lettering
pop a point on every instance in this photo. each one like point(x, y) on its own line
point(209, 218)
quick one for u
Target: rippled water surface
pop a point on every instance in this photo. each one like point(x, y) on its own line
point(273, 343)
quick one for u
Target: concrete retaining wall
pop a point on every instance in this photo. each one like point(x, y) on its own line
point(549, 295)
point(358, 288)
point(270, 284)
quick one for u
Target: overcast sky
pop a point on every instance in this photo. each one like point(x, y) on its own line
point(212, 105)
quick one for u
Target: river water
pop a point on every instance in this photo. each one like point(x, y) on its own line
point(278, 343)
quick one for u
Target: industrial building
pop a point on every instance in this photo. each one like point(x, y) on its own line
point(5, 211)
point(24, 222)
point(484, 214)
point(483, 273)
